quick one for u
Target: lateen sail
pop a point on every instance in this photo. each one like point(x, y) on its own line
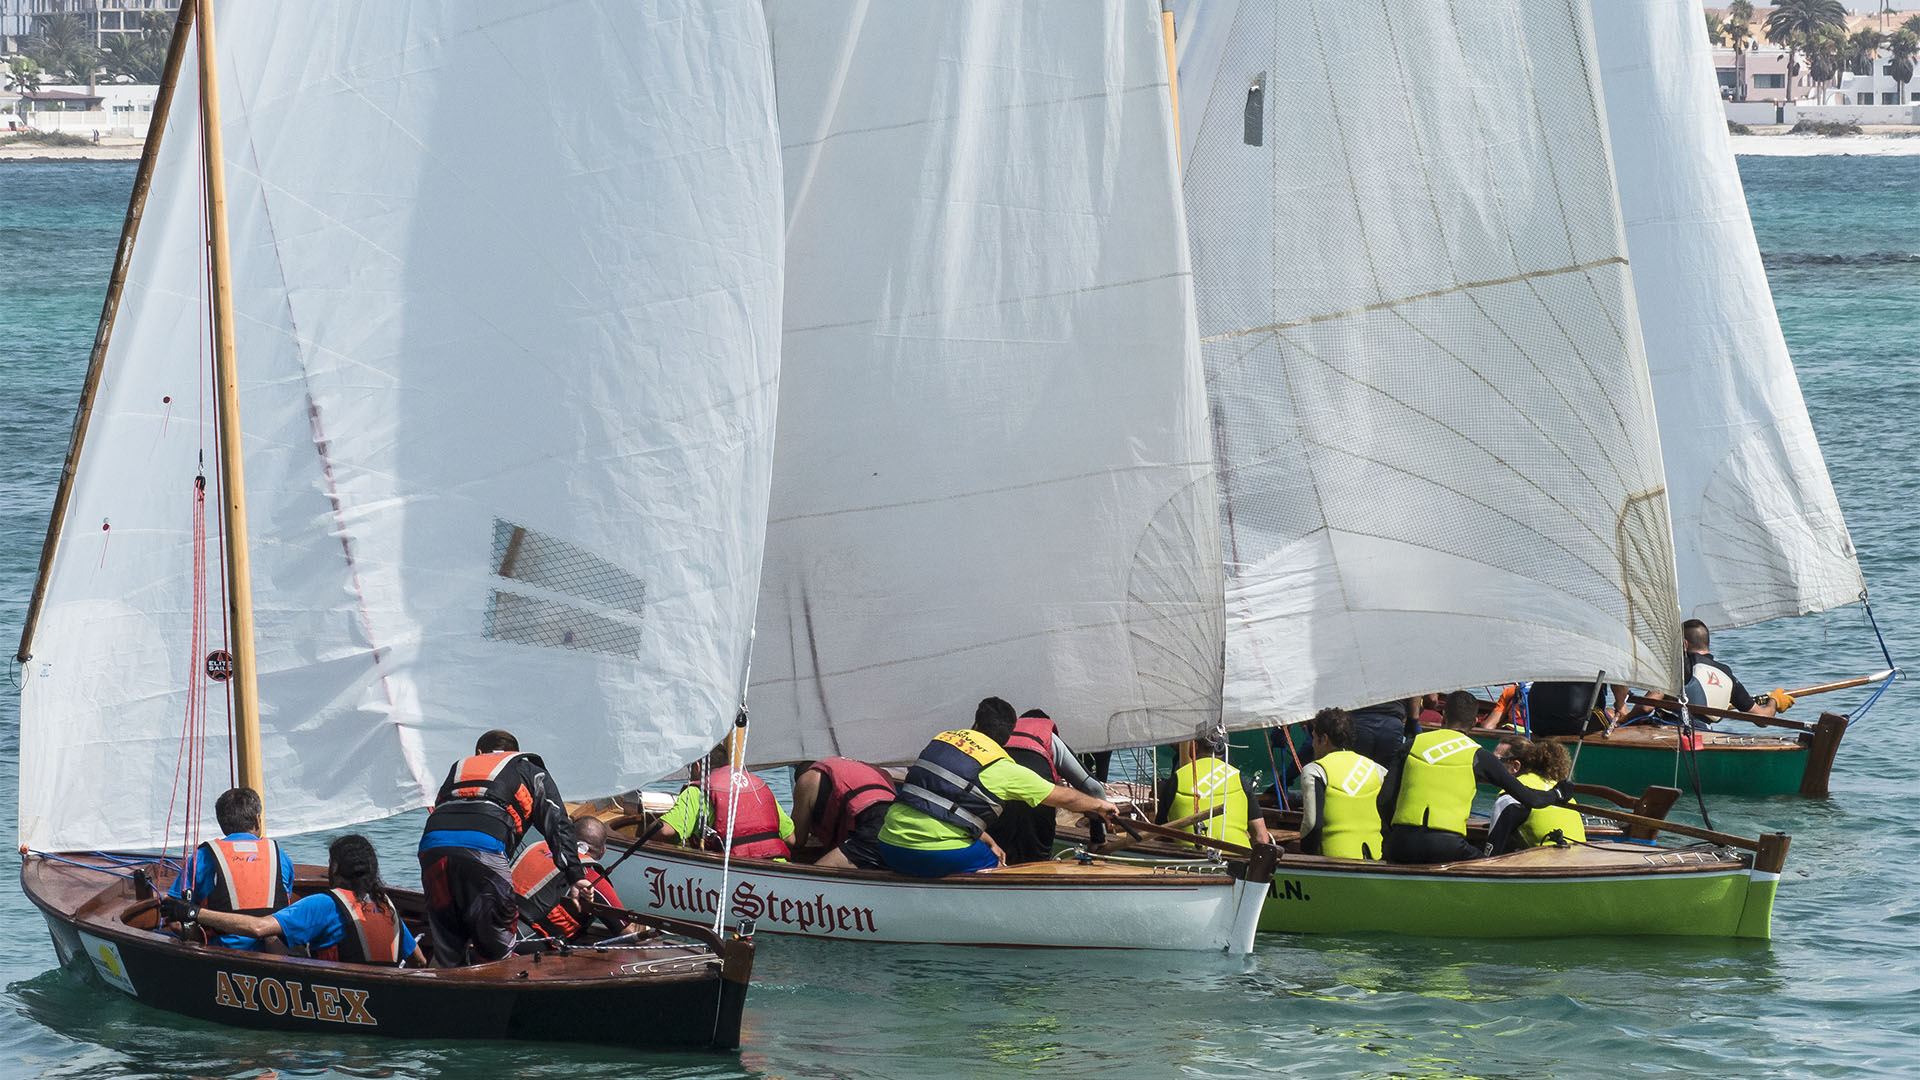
point(992, 473)
point(1757, 530)
point(507, 281)
point(1435, 430)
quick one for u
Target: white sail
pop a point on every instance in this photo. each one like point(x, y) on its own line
point(1757, 530)
point(1436, 434)
point(507, 281)
point(992, 473)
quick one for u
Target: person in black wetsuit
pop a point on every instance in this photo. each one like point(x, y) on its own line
point(1432, 790)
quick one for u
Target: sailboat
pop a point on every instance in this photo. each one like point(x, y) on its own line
point(993, 475)
point(1435, 428)
point(485, 441)
point(1758, 532)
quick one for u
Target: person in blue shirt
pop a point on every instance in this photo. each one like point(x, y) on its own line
point(240, 872)
point(354, 921)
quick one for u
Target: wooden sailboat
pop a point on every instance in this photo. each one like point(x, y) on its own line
point(438, 544)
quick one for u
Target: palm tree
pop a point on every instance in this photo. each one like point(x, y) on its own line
point(1826, 50)
point(1912, 25)
point(1716, 28)
point(1738, 30)
point(23, 77)
point(1903, 45)
point(62, 45)
point(1793, 23)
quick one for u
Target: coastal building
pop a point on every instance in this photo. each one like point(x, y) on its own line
point(104, 19)
point(1758, 71)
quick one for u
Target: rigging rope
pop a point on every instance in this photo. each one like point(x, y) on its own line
point(1893, 673)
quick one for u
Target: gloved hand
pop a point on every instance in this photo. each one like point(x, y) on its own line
point(1782, 701)
point(179, 909)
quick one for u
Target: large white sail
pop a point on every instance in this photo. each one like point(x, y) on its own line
point(992, 473)
point(1757, 530)
point(507, 281)
point(1436, 435)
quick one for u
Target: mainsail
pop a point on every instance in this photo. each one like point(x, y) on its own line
point(1757, 530)
point(993, 474)
point(1436, 436)
point(508, 283)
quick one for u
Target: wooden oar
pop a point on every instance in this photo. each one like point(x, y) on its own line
point(1147, 828)
point(1195, 819)
point(1625, 818)
point(1672, 705)
point(1844, 684)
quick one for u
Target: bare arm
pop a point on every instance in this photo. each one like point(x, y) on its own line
point(254, 926)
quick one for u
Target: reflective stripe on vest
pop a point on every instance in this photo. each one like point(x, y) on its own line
point(1437, 788)
point(1350, 819)
point(542, 891)
point(1035, 735)
point(745, 799)
point(372, 934)
point(850, 787)
point(944, 783)
point(1547, 820)
point(246, 876)
point(1196, 792)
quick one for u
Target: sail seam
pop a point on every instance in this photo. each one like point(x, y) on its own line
point(946, 118)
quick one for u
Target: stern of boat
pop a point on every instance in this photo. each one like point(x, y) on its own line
point(736, 970)
point(1251, 881)
point(1756, 918)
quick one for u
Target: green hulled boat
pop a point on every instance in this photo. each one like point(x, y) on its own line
point(1726, 762)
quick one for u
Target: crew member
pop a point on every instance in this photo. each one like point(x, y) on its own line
point(240, 872)
point(1710, 682)
point(354, 921)
point(729, 796)
point(486, 806)
point(1540, 766)
point(1381, 731)
point(953, 793)
point(840, 804)
point(1340, 810)
point(1025, 833)
point(547, 903)
point(1434, 786)
point(1209, 781)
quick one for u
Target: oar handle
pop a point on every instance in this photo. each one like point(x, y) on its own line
point(1845, 684)
point(1195, 819)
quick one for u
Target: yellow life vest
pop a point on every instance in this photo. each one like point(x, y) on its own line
point(1350, 818)
point(1546, 820)
point(1437, 788)
point(1204, 783)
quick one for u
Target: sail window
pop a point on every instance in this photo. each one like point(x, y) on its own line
point(552, 564)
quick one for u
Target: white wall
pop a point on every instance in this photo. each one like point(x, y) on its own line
point(1861, 114)
point(1757, 112)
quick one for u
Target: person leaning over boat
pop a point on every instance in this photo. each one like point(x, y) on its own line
point(1025, 833)
point(240, 872)
point(353, 921)
point(547, 902)
point(1209, 781)
point(956, 789)
point(1432, 789)
point(840, 804)
point(484, 808)
point(703, 812)
point(1540, 766)
point(1340, 793)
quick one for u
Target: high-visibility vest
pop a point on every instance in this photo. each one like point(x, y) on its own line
point(1350, 818)
point(744, 799)
point(944, 783)
point(1542, 823)
point(1202, 784)
point(1035, 735)
point(1436, 790)
point(850, 788)
point(541, 888)
point(246, 876)
point(486, 793)
point(372, 931)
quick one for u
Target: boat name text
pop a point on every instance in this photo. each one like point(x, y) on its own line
point(334, 1004)
point(809, 915)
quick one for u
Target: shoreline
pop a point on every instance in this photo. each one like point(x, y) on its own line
point(106, 150)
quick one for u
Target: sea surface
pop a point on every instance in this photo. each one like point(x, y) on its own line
point(1836, 993)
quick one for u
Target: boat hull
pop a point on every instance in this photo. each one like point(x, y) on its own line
point(663, 996)
point(1632, 759)
point(1053, 905)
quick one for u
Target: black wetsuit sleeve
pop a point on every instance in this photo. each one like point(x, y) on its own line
point(550, 817)
point(1163, 797)
point(1741, 699)
point(1313, 791)
point(1488, 770)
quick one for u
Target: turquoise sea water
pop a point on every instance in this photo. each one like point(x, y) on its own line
point(1837, 993)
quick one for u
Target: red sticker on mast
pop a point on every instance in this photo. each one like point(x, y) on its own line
point(219, 665)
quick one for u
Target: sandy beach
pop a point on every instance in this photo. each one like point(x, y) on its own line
point(1874, 140)
point(109, 148)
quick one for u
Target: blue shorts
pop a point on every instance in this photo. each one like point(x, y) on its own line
point(915, 863)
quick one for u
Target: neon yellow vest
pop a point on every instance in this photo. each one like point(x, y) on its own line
point(1350, 820)
point(1437, 788)
point(1204, 783)
point(1545, 820)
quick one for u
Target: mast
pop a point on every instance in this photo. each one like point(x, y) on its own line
point(233, 488)
point(96, 362)
point(1173, 73)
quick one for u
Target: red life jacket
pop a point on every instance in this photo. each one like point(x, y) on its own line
point(542, 891)
point(372, 931)
point(1034, 734)
point(745, 799)
point(851, 787)
point(246, 876)
point(484, 792)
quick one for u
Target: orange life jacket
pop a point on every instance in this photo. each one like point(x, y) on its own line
point(743, 798)
point(486, 793)
point(246, 876)
point(1034, 734)
point(542, 891)
point(372, 931)
point(852, 786)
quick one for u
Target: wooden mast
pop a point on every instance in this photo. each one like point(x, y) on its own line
point(1173, 72)
point(233, 488)
point(96, 362)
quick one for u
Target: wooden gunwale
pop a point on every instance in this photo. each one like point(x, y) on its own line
point(103, 333)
